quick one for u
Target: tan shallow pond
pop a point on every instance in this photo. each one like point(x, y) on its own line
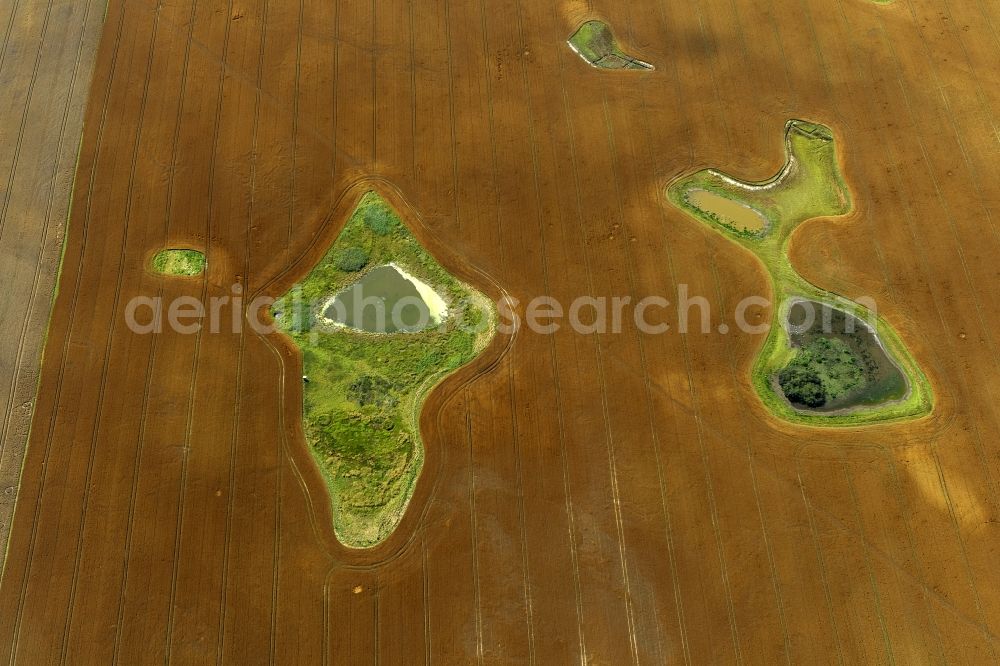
point(740, 216)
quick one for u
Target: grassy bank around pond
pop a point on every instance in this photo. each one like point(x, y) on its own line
point(365, 391)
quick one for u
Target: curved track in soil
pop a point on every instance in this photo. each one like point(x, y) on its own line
point(617, 499)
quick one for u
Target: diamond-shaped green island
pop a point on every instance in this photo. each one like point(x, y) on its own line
point(379, 323)
point(827, 360)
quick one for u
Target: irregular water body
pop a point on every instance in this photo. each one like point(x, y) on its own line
point(386, 300)
point(885, 382)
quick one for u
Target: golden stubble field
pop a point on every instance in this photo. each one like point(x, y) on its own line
point(602, 499)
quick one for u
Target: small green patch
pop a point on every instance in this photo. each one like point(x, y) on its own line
point(179, 262)
point(596, 44)
point(351, 259)
point(364, 391)
point(381, 221)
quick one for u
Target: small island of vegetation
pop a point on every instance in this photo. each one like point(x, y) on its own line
point(179, 262)
point(850, 367)
point(596, 44)
point(364, 385)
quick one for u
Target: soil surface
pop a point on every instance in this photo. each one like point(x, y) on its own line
point(614, 499)
point(47, 53)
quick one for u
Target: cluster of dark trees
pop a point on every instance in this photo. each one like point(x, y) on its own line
point(824, 370)
point(802, 386)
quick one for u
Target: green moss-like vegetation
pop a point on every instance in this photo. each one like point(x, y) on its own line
point(381, 220)
point(364, 391)
point(824, 370)
point(596, 44)
point(179, 262)
point(810, 185)
point(351, 259)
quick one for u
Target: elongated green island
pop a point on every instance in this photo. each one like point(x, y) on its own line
point(179, 262)
point(827, 360)
point(596, 43)
point(379, 323)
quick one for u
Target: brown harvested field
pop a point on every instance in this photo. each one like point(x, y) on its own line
point(47, 52)
point(603, 499)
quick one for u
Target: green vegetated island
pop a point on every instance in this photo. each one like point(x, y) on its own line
point(179, 262)
point(827, 360)
point(379, 323)
point(596, 44)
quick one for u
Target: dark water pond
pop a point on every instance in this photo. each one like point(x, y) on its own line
point(882, 380)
